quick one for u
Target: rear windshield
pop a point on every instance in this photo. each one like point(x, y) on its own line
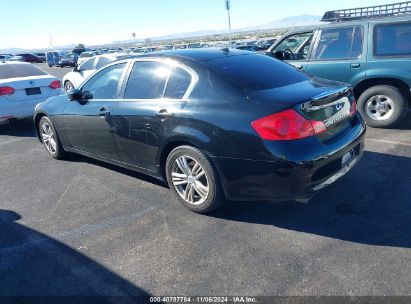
point(392, 39)
point(19, 70)
point(258, 72)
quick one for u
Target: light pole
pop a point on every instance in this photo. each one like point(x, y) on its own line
point(227, 6)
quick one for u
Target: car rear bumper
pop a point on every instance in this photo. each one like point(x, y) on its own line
point(253, 180)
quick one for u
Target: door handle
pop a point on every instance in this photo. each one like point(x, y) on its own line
point(300, 67)
point(163, 113)
point(103, 112)
point(355, 65)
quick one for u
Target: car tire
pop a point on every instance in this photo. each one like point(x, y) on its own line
point(194, 180)
point(68, 86)
point(382, 106)
point(50, 138)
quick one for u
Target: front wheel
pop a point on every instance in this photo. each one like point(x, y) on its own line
point(382, 106)
point(194, 181)
point(50, 139)
point(68, 86)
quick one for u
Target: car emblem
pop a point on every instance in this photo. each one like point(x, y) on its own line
point(31, 83)
point(339, 106)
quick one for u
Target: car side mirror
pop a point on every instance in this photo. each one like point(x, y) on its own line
point(75, 95)
point(76, 69)
point(86, 96)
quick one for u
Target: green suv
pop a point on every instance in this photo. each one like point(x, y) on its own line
point(370, 48)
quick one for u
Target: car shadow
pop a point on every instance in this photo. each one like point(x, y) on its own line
point(71, 157)
point(33, 264)
point(19, 128)
point(370, 205)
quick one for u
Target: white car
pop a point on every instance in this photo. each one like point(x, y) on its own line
point(84, 56)
point(5, 57)
point(75, 78)
point(22, 87)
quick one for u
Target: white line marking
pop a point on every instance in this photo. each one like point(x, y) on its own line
point(389, 142)
point(11, 141)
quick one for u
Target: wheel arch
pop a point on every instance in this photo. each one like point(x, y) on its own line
point(36, 124)
point(367, 83)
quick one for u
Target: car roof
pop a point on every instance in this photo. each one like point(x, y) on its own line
point(200, 55)
point(349, 22)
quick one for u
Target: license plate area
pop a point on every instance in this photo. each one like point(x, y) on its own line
point(32, 91)
point(347, 158)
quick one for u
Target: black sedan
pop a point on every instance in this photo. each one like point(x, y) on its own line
point(69, 60)
point(215, 124)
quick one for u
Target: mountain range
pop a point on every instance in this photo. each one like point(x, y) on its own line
point(287, 22)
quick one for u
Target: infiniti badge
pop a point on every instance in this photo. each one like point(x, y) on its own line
point(339, 106)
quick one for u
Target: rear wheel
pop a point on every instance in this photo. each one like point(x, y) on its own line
point(382, 106)
point(194, 181)
point(50, 139)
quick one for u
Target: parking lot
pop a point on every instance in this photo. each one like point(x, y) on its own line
point(82, 227)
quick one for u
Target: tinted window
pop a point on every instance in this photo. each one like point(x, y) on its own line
point(177, 84)
point(258, 72)
point(104, 84)
point(392, 39)
point(147, 80)
point(102, 61)
point(340, 43)
point(19, 70)
point(88, 65)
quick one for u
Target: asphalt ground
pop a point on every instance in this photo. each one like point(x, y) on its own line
point(82, 227)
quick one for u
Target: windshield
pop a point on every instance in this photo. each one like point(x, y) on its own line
point(19, 70)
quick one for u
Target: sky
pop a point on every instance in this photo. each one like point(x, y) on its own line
point(29, 24)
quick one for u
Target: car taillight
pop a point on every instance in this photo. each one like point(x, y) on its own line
point(287, 125)
point(56, 84)
point(353, 108)
point(6, 91)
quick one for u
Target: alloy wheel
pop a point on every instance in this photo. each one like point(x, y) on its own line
point(48, 137)
point(380, 107)
point(190, 180)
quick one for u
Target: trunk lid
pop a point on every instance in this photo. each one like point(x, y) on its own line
point(27, 88)
point(317, 100)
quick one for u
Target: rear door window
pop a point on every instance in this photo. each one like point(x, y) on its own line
point(147, 80)
point(340, 43)
point(392, 39)
point(178, 84)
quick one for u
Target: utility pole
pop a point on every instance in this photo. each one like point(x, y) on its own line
point(227, 7)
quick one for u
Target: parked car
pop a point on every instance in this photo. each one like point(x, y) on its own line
point(5, 57)
point(84, 56)
point(27, 57)
point(214, 124)
point(74, 78)
point(372, 53)
point(54, 57)
point(22, 87)
point(251, 48)
point(42, 56)
point(68, 60)
point(17, 58)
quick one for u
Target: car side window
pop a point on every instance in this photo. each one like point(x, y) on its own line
point(104, 84)
point(299, 44)
point(392, 39)
point(340, 43)
point(147, 80)
point(178, 83)
point(102, 61)
point(88, 65)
